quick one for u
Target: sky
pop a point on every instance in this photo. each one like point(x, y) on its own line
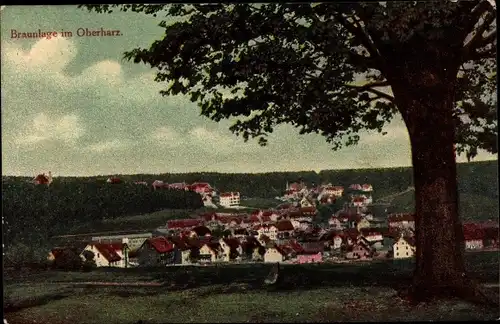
point(73, 106)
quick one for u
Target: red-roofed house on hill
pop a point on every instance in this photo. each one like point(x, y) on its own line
point(229, 199)
point(156, 251)
point(402, 220)
point(473, 236)
point(108, 254)
point(284, 229)
point(184, 223)
point(114, 180)
point(366, 187)
point(231, 249)
point(336, 191)
point(210, 252)
point(202, 188)
point(404, 247)
point(43, 179)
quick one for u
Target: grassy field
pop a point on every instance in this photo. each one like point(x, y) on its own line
point(146, 222)
point(260, 202)
point(234, 293)
point(472, 206)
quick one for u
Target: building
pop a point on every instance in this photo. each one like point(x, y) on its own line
point(229, 199)
point(274, 254)
point(108, 255)
point(43, 179)
point(134, 241)
point(401, 221)
point(404, 248)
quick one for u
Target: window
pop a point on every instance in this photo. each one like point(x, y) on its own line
point(97, 254)
point(406, 253)
point(397, 254)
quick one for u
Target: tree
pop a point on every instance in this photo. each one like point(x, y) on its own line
point(338, 68)
point(89, 262)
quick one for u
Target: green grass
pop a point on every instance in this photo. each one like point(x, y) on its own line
point(144, 221)
point(235, 293)
point(262, 203)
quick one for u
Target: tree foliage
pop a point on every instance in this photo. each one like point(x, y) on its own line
point(326, 67)
point(34, 213)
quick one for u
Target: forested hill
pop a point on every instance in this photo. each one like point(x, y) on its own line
point(478, 178)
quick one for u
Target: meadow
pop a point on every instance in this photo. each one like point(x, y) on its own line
point(235, 293)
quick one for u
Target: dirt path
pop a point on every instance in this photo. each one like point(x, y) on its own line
point(120, 284)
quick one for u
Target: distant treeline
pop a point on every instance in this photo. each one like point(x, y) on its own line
point(474, 178)
point(32, 213)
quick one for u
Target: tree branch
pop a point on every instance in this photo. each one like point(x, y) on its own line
point(358, 32)
point(369, 88)
point(477, 38)
point(490, 53)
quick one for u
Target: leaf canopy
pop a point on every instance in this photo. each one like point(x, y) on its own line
point(326, 68)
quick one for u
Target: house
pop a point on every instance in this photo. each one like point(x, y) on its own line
point(359, 250)
point(306, 202)
point(356, 187)
point(274, 254)
point(268, 230)
point(229, 199)
point(404, 248)
point(182, 249)
point(336, 191)
point(264, 240)
point(201, 188)
point(358, 201)
point(491, 236)
point(134, 241)
point(473, 236)
point(75, 248)
point(114, 180)
point(200, 231)
point(401, 220)
point(334, 222)
point(363, 223)
point(156, 251)
point(231, 249)
point(210, 252)
point(240, 233)
point(43, 179)
point(158, 184)
point(284, 229)
point(371, 234)
point(351, 236)
point(108, 255)
point(178, 186)
point(184, 223)
point(366, 188)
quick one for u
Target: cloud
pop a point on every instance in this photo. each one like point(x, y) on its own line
point(65, 129)
point(108, 146)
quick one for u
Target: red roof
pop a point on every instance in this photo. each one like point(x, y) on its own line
point(41, 179)
point(284, 225)
point(232, 243)
point(307, 210)
point(410, 240)
point(108, 251)
point(229, 194)
point(352, 233)
point(183, 223)
point(114, 180)
point(179, 242)
point(401, 217)
point(161, 244)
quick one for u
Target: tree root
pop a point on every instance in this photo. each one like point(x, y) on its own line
point(467, 290)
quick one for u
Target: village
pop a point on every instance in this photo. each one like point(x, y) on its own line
point(288, 233)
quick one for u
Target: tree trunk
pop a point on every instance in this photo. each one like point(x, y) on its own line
point(440, 268)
